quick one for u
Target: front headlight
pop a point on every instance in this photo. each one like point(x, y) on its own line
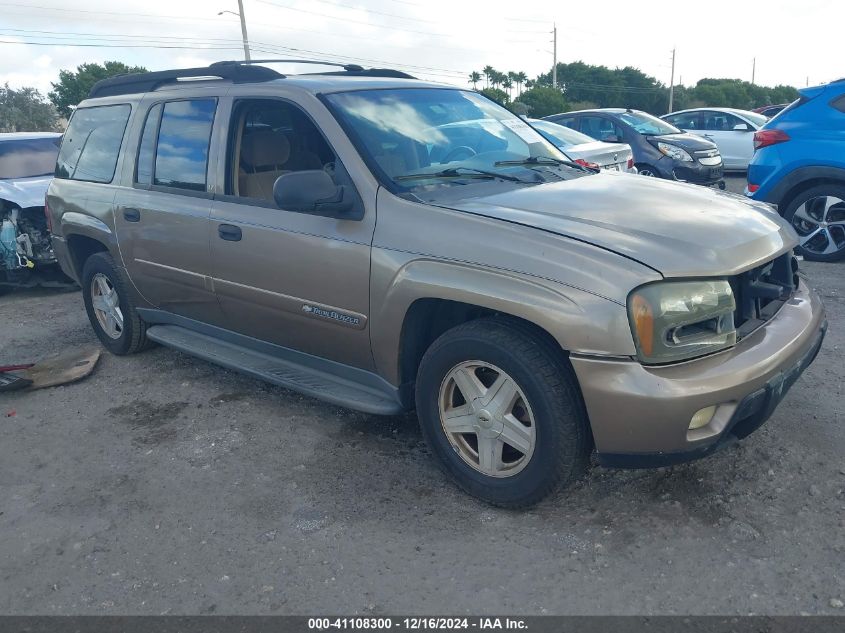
point(673, 151)
point(678, 320)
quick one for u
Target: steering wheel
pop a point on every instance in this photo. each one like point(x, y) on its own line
point(456, 153)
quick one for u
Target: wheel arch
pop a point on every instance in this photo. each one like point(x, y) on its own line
point(427, 298)
point(80, 247)
point(803, 178)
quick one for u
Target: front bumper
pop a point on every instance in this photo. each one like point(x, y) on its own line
point(640, 415)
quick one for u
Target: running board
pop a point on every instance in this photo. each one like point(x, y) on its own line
point(285, 373)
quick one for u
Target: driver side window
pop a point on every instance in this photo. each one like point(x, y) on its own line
point(271, 138)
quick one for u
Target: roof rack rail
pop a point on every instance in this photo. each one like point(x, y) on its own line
point(348, 69)
point(145, 82)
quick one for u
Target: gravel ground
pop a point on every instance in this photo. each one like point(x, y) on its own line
point(163, 484)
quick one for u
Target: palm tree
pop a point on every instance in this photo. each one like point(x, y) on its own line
point(520, 79)
point(488, 74)
point(496, 78)
point(474, 78)
point(530, 83)
point(512, 77)
point(507, 84)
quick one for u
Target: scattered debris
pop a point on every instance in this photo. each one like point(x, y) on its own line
point(59, 370)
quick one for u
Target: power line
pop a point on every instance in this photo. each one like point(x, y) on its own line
point(120, 13)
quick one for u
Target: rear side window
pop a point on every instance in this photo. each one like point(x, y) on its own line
point(26, 158)
point(685, 120)
point(181, 156)
point(838, 103)
point(91, 144)
point(147, 150)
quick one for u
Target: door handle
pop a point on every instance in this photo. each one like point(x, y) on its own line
point(132, 215)
point(229, 232)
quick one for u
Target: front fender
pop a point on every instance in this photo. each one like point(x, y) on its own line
point(579, 321)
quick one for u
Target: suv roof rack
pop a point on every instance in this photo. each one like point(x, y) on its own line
point(348, 69)
point(235, 71)
point(145, 82)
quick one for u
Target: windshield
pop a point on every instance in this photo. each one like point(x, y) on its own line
point(757, 119)
point(561, 135)
point(28, 157)
point(425, 137)
point(648, 125)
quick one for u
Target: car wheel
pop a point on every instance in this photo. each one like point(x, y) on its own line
point(501, 411)
point(646, 170)
point(110, 309)
point(818, 216)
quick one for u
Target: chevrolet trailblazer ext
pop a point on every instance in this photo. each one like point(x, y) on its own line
point(384, 243)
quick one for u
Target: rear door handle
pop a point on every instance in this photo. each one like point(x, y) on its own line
point(132, 215)
point(229, 232)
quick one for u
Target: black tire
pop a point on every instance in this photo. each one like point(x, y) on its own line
point(563, 441)
point(803, 228)
point(647, 170)
point(133, 334)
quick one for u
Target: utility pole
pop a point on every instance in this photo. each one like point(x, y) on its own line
point(554, 55)
point(753, 70)
point(244, 36)
point(243, 29)
point(672, 82)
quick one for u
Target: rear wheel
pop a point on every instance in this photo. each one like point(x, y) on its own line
point(109, 305)
point(501, 412)
point(818, 216)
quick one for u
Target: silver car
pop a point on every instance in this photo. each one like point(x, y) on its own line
point(732, 130)
point(585, 150)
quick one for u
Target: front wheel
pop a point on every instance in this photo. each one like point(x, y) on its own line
point(818, 216)
point(500, 410)
point(646, 170)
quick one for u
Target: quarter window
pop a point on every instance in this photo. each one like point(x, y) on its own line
point(147, 150)
point(92, 142)
point(181, 157)
point(839, 103)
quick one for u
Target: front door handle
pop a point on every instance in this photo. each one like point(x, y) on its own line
point(229, 232)
point(132, 215)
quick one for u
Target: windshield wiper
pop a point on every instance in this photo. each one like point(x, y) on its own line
point(545, 160)
point(461, 172)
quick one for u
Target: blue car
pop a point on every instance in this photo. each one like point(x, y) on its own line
point(799, 165)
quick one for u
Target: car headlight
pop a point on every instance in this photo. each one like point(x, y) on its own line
point(673, 151)
point(678, 320)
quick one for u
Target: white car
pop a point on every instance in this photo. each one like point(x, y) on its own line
point(584, 149)
point(732, 130)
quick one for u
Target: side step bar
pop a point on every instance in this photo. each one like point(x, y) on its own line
point(283, 372)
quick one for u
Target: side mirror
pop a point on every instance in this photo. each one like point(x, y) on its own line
point(741, 127)
point(313, 191)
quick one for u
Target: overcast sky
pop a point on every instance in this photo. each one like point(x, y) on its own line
point(435, 39)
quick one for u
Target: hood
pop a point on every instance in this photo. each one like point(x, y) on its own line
point(25, 192)
point(686, 141)
point(677, 229)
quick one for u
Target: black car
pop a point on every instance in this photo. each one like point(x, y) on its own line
point(660, 149)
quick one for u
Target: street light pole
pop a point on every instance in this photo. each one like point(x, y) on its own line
point(245, 37)
point(672, 83)
point(243, 29)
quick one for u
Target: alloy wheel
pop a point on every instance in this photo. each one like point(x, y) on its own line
point(820, 224)
point(487, 419)
point(106, 304)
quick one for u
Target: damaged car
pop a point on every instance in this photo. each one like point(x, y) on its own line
point(27, 162)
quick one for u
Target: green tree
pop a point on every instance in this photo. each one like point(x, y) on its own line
point(474, 78)
point(25, 110)
point(499, 96)
point(507, 84)
point(73, 87)
point(543, 101)
point(488, 73)
point(520, 79)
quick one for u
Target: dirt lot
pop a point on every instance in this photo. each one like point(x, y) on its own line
point(163, 484)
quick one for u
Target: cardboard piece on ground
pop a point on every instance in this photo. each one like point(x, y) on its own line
point(63, 369)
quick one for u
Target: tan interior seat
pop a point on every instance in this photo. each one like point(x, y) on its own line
point(264, 154)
